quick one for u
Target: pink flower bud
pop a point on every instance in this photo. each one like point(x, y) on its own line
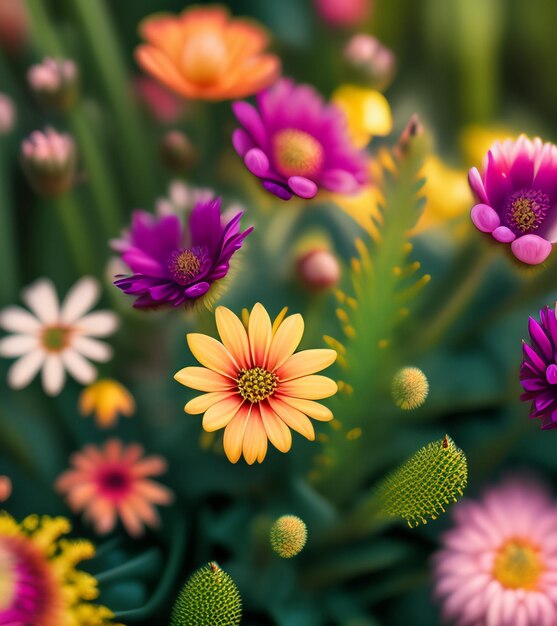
point(54, 82)
point(343, 13)
point(14, 25)
point(7, 114)
point(369, 55)
point(177, 151)
point(5, 488)
point(162, 104)
point(319, 269)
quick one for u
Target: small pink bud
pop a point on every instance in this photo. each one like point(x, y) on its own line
point(177, 151)
point(55, 83)
point(5, 488)
point(343, 13)
point(49, 161)
point(161, 103)
point(370, 56)
point(7, 114)
point(14, 26)
point(319, 269)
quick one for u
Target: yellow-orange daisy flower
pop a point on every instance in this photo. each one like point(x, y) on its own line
point(106, 399)
point(257, 388)
point(204, 54)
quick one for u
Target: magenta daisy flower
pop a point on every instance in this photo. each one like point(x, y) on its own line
point(498, 563)
point(296, 143)
point(517, 194)
point(176, 263)
point(538, 373)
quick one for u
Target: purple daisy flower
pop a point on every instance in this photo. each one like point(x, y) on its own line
point(538, 373)
point(517, 194)
point(175, 263)
point(296, 143)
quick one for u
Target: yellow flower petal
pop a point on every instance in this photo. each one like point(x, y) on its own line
point(255, 438)
point(279, 318)
point(219, 415)
point(203, 379)
point(309, 387)
point(259, 332)
point(313, 409)
point(293, 418)
point(212, 354)
point(285, 341)
point(200, 404)
point(277, 431)
point(233, 335)
point(305, 363)
point(234, 434)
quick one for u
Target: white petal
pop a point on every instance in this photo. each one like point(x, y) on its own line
point(54, 375)
point(98, 324)
point(41, 298)
point(79, 367)
point(22, 372)
point(92, 348)
point(80, 299)
point(18, 320)
point(16, 345)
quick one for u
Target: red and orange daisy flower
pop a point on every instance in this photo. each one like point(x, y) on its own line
point(257, 388)
point(113, 481)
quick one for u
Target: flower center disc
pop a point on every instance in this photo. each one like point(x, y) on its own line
point(256, 384)
point(204, 58)
point(297, 153)
point(527, 209)
point(517, 565)
point(114, 481)
point(55, 338)
point(184, 265)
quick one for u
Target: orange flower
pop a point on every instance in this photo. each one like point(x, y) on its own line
point(5, 488)
point(204, 54)
point(257, 387)
point(112, 482)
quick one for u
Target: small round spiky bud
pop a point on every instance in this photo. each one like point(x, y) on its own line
point(177, 151)
point(55, 83)
point(319, 269)
point(288, 536)
point(49, 161)
point(410, 388)
point(209, 598)
point(418, 490)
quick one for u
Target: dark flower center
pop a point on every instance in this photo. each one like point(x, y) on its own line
point(526, 209)
point(185, 265)
point(114, 481)
point(256, 384)
point(55, 338)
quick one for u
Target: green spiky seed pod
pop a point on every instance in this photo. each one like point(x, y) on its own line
point(209, 598)
point(410, 388)
point(288, 536)
point(418, 490)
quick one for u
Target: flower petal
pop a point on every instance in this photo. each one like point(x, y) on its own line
point(531, 249)
point(78, 367)
point(42, 299)
point(16, 345)
point(22, 372)
point(309, 387)
point(233, 335)
point(485, 218)
point(203, 379)
point(255, 438)
point(277, 431)
point(313, 409)
point(80, 299)
point(259, 333)
point(286, 340)
point(234, 434)
point(17, 320)
point(98, 324)
point(200, 404)
point(54, 375)
point(292, 417)
point(92, 348)
point(220, 414)
point(212, 354)
point(305, 363)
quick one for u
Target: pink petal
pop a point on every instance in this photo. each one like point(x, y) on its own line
point(531, 249)
point(503, 234)
point(485, 218)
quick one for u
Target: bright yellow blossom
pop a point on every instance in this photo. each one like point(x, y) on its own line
point(107, 399)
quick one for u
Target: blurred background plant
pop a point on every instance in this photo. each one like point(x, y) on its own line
point(394, 277)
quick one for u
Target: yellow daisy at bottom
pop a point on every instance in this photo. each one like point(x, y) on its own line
point(256, 387)
point(39, 582)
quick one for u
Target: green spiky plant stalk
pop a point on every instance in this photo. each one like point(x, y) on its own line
point(209, 598)
point(384, 280)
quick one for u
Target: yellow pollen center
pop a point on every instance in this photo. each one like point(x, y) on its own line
point(256, 384)
point(297, 153)
point(186, 265)
point(518, 565)
point(204, 58)
point(55, 338)
point(524, 216)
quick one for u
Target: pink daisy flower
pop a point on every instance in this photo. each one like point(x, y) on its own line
point(113, 482)
point(498, 564)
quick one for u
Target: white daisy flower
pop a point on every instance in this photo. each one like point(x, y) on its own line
point(56, 338)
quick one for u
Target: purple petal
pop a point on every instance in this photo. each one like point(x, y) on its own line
point(551, 374)
point(303, 187)
point(278, 190)
point(195, 291)
point(249, 118)
point(539, 339)
point(205, 225)
point(339, 181)
point(497, 183)
point(242, 142)
point(503, 234)
point(257, 162)
point(477, 185)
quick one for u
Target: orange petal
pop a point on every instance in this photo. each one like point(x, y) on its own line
point(165, 33)
point(203, 379)
point(293, 418)
point(219, 415)
point(277, 431)
point(244, 39)
point(259, 332)
point(130, 519)
point(212, 354)
point(313, 409)
point(286, 340)
point(234, 433)
point(255, 438)
point(233, 335)
point(154, 492)
point(309, 387)
point(253, 76)
point(202, 403)
point(199, 17)
point(157, 63)
point(305, 363)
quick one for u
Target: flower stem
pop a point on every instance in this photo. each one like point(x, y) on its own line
point(75, 232)
point(8, 256)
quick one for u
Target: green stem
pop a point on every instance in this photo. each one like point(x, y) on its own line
point(8, 255)
point(43, 33)
point(148, 562)
point(75, 232)
point(99, 33)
